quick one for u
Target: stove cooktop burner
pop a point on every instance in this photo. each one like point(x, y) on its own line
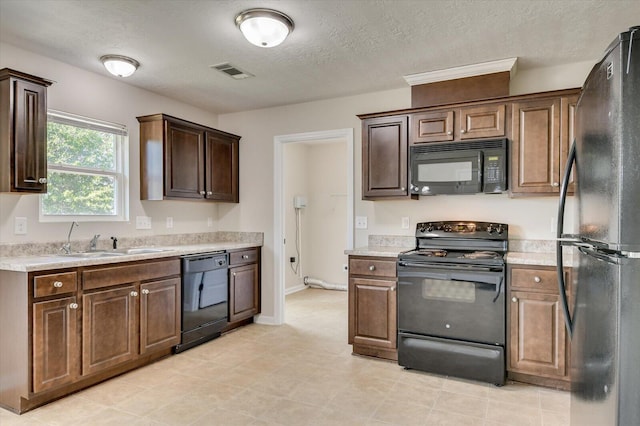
point(459, 257)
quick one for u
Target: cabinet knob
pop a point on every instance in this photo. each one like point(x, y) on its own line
point(392, 288)
point(514, 299)
point(245, 256)
point(234, 274)
point(372, 268)
point(42, 180)
point(463, 131)
point(73, 305)
point(134, 294)
point(537, 279)
point(555, 184)
point(202, 193)
point(145, 291)
point(209, 193)
point(449, 133)
point(402, 188)
point(57, 284)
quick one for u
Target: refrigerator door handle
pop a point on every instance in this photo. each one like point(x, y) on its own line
point(568, 322)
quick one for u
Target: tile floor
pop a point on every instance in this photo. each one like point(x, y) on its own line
point(301, 373)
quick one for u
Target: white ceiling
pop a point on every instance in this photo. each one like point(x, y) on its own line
point(338, 47)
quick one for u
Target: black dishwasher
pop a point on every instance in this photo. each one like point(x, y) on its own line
point(205, 292)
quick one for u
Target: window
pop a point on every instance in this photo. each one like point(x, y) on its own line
point(87, 162)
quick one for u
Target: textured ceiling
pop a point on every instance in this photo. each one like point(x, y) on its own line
point(338, 47)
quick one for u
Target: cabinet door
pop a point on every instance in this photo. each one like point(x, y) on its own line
point(244, 298)
point(184, 161)
point(567, 135)
point(536, 147)
point(384, 157)
point(372, 313)
point(30, 137)
point(160, 310)
point(221, 168)
point(432, 127)
point(482, 121)
point(537, 335)
point(55, 343)
point(109, 328)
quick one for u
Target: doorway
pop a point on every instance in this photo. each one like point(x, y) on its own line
point(282, 203)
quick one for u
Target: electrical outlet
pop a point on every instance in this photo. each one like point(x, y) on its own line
point(169, 222)
point(143, 222)
point(405, 222)
point(20, 225)
point(292, 260)
point(361, 222)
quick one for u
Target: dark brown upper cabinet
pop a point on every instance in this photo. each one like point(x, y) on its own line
point(472, 122)
point(184, 160)
point(385, 157)
point(23, 132)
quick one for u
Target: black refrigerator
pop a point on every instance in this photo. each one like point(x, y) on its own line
point(603, 310)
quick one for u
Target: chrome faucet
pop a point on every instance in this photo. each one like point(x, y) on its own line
point(66, 247)
point(94, 242)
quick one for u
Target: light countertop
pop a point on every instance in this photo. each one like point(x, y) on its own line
point(44, 262)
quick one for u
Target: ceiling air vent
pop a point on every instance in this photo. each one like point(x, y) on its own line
point(232, 71)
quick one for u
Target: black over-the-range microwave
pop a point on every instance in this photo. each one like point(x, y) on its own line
point(459, 167)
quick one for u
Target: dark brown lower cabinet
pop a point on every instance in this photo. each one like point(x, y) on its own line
point(159, 315)
point(373, 324)
point(109, 327)
point(244, 285)
point(55, 343)
point(538, 343)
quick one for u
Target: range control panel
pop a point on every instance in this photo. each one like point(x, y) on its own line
point(461, 229)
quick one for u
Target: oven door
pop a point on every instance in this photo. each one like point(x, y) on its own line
point(456, 302)
point(449, 172)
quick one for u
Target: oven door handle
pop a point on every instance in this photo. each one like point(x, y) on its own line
point(454, 275)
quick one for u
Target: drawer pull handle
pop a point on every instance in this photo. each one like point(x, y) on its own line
point(57, 284)
point(145, 291)
point(134, 294)
point(372, 268)
point(537, 279)
point(245, 256)
point(73, 306)
point(514, 299)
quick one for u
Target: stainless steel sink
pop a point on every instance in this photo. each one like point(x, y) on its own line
point(92, 254)
point(112, 253)
point(140, 250)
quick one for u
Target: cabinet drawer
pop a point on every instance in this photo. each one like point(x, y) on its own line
point(116, 275)
point(48, 285)
point(244, 256)
point(372, 267)
point(542, 280)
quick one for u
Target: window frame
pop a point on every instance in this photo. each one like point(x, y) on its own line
point(120, 175)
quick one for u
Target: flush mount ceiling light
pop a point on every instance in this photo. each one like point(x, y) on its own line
point(264, 27)
point(120, 66)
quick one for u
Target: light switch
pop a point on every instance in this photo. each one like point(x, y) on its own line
point(143, 222)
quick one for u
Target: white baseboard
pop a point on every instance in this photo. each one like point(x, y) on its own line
point(295, 289)
point(265, 320)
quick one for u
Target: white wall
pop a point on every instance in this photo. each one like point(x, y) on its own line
point(98, 96)
point(318, 172)
point(326, 233)
point(295, 183)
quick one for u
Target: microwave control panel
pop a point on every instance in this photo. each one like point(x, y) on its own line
point(494, 171)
